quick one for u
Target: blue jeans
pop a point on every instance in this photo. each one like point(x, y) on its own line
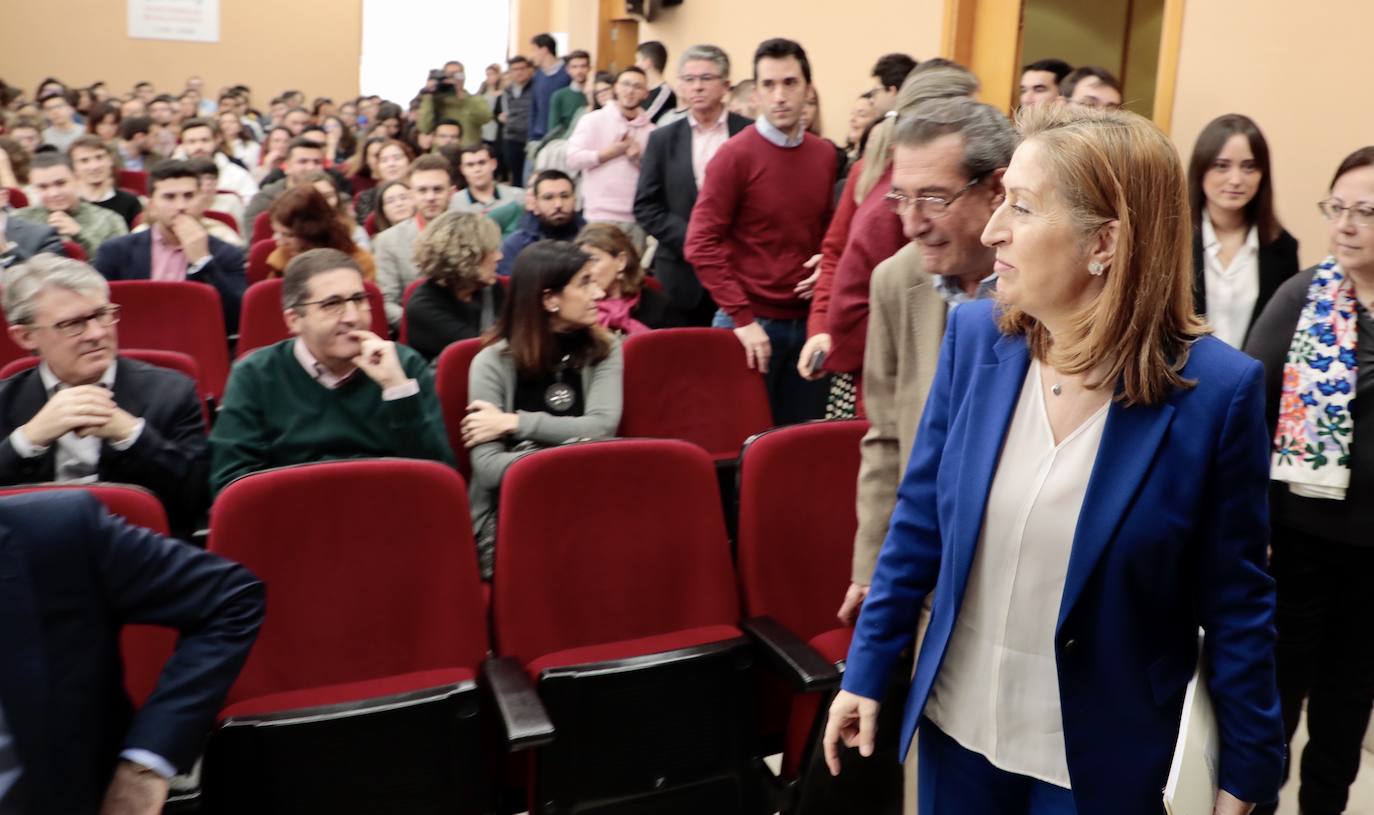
point(951, 780)
point(792, 398)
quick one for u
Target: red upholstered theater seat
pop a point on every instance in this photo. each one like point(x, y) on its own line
point(451, 383)
point(172, 360)
point(258, 270)
point(134, 180)
point(405, 300)
point(262, 227)
point(224, 218)
point(360, 693)
point(18, 200)
point(613, 586)
point(73, 250)
point(261, 322)
point(795, 541)
point(370, 223)
point(693, 384)
point(176, 316)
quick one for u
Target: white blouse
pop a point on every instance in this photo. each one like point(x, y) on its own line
point(997, 692)
point(1232, 291)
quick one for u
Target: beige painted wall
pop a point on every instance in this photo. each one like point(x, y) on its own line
point(1294, 70)
point(578, 18)
point(269, 45)
point(841, 41)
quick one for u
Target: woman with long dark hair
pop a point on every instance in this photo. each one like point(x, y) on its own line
point(548, 375)
point(1241, 254)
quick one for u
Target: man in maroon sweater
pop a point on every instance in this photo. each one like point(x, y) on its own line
point(761, 215)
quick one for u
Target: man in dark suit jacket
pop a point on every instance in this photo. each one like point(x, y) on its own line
point(670, 173)
point(70, 576)
point(21, 240)
point(176, 246)
point(83, 414)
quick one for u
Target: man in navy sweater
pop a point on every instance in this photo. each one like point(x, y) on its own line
point(761, 214)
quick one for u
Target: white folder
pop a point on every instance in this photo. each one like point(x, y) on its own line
point(1193, 776)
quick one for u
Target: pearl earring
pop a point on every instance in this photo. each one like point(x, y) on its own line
point(1096, 268)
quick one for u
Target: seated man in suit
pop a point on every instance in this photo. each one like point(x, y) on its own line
point(21, 240)
point(673, 167)
point(82, 414)
point(334, 391)
point(60, 206)
point(176, 246)
point(73, 575)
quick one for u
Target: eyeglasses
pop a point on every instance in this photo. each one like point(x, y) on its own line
point(76, 326)
point(334, 306)
point(1359, 216)
point(692, 79)
point(930, 206)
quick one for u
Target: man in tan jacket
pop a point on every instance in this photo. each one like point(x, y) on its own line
point(947, 165)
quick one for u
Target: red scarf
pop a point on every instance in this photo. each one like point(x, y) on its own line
point(615, 315)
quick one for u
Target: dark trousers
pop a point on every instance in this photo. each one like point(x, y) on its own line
point(951, 780)
point(1325, 654)
point(793, 399)
point(514, 154)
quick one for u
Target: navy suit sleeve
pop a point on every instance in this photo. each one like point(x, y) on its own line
point(1235, 600)
point(225, 273)
point(651, 194)
point(909, 561)
point(172, 454)
point(111, 260)
point(52, 242)
point(216, 604)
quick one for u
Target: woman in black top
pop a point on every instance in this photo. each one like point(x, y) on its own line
point(1241, 254)
point(1316, 340)
point(458, 300)
point(629, 307)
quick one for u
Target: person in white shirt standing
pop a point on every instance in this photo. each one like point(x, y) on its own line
point(1241, 254)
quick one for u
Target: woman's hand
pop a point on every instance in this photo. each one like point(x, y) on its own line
point(486, 422)
point(1228, 804)
point(854, 720)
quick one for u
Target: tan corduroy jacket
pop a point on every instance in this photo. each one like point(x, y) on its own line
point(905, 326)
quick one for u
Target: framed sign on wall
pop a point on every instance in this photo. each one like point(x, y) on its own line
point(189, 20)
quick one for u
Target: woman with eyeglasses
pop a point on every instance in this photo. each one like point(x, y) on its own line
point(303, 219)
point(865, 231)
point(548, 375)
point(1241, 254)
point(1316, 340)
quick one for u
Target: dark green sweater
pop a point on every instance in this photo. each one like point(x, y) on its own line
point(275, 414)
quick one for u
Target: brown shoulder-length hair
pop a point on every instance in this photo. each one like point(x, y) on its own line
point(612, 240)
point(546, 266)
point(1118, 166)
point(1259, 213)
point(304, 211)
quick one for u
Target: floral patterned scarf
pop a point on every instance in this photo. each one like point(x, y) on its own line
point(1315, 430)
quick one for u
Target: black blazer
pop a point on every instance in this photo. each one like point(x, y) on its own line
point(664, 198)
point(656, 310)
point(435, 318)
point(70, 576)
point(1277, 262)
point(130, 257)
point(171, 456)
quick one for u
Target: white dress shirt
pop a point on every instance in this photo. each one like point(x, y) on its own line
point(77, 459)
point(706, 140)
point(1233, 290)
point(333, 381)
point(997, 692)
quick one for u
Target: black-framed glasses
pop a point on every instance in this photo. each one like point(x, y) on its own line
point(334, 306)
point(1359, 216)
point(930, 206)
point(105, 316)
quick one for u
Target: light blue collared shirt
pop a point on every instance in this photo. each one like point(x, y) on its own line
point(776, 136)
point(954, 295)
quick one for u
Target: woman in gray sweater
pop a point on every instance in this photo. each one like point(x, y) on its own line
point(548, 375)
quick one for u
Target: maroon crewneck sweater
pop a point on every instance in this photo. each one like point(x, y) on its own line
point(761, 214)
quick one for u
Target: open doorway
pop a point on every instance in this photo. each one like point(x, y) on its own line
point(1122, 36)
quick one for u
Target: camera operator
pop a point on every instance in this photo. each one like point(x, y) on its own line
point(444, 97)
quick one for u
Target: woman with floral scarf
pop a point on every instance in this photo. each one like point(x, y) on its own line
point(1316, 340)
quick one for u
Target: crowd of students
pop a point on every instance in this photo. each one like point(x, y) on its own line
point(555, 211)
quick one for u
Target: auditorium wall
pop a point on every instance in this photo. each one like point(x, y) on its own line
point(268, 45)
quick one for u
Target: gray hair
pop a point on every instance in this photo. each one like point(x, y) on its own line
point(989, 137)
point(709, 53)
point(295, 286)
point(927, 81)
point(27, 280)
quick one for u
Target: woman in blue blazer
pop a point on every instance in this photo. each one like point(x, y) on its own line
point(1087, 490)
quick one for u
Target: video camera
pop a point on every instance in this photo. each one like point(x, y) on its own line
point(443, 86)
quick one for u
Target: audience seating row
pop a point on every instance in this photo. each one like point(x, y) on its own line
point(628, 647)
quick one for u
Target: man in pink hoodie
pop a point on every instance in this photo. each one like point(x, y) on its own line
point(606, 146)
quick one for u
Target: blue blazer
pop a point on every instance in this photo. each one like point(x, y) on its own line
point(70, 576)
point(130, 257)
point(1171, 538)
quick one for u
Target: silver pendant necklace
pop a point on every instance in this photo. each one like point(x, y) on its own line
point(560, 396)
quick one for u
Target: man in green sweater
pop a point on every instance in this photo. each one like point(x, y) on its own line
point(334, 391)
point(448, 99)
point(60, 206)
point(566, 102)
